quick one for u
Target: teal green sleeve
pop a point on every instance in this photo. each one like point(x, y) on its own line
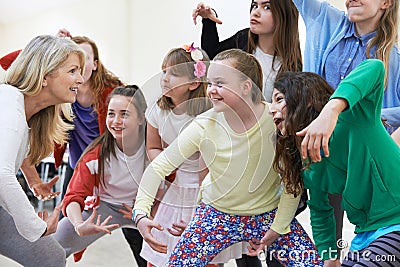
point(322, 217)
point(367, 76)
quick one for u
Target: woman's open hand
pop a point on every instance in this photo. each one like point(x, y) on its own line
point(52, 220)
point(43, 190)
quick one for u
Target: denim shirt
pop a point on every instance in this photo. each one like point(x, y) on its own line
point(326, 27)
point(346, 55)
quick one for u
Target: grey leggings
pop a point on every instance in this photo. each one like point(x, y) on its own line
point(45, 252)
point(384, 252)
point(73, 243)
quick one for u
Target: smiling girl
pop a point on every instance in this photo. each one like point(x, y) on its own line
point(106, 179)
point(240, 198)
point(183, 98)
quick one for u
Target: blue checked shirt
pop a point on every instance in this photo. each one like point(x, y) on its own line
point(328, 33)
point(345, 56)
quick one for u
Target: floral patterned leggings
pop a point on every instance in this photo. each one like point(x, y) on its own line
point(210, 231)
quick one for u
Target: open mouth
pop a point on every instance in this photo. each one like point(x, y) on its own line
point(74, 89)
point(278, 121)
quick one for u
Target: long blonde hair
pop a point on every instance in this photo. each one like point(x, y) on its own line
point(386, 35)
point(42, 56)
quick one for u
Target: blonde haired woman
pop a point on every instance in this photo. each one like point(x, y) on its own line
point(46, 74)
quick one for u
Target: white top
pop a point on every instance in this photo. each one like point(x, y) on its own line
point(14, 147)
point(123, 182)
point(269, 74)
point(169, 126)
point(122, 175)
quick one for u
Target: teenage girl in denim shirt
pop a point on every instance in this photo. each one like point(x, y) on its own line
point(337, 42)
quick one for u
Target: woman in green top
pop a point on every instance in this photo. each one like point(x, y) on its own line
point(361, 163)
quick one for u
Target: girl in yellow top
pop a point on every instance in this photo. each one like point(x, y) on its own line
point(241, 197)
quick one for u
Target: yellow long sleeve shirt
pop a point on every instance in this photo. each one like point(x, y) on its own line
point(241, 179)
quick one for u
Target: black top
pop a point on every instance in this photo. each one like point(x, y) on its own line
point(210, 39)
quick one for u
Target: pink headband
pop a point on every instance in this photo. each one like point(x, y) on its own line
point(199, 66)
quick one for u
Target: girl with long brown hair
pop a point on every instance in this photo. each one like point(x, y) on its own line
point(273, 37)
point(106, 177)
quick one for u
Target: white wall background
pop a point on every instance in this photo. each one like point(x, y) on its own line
point(133, 36)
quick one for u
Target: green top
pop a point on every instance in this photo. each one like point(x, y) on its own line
point(363, 164)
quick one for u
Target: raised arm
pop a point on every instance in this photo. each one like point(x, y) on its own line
point(206, 12)
point(366, 81)
point(209, 35)
point(313, 10)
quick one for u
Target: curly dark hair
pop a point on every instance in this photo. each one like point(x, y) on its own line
point(306, 94)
